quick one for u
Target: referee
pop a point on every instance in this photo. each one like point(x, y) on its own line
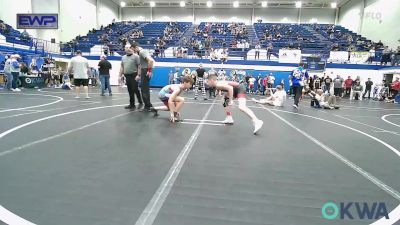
point(129, 69)
point(200, 82)
point(146, 72)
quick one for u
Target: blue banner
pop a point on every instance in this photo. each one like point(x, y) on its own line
point(37, 21)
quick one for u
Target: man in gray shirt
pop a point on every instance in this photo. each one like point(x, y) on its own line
point(338, 86)
point(146, 72)
point(129, 68)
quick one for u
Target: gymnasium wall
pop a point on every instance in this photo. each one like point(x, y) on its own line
point(376, 19)
point(75, 16)
point(381, 22)
point(274, 15)
point(9, 9)
point(107, 11)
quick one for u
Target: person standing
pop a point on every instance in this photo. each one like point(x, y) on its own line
point(269, 51)
point(328, 82)
point(265, 84)
point(129, 68)
point(347, 85)
point(368, 88)
point(258, 48)
point(297, 77)
point(271, 80)
point(79, 67)
point(171, 77)
point(337, 86)
point(146, 72)
point(7, 73)
point(104, 73)
point(15, 69)
point(211, 90)
point(200, 82)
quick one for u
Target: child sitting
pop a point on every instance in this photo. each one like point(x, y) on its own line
point(276, 99)
point(66, 82)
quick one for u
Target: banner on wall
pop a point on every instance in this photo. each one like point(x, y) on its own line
point(289, 56)
point(37, 21)
point(359, 57)
point(338, 56)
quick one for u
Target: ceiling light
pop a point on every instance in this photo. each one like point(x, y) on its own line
point(123, 4)
point(298, 4)
point(264, 4)
point(182, 3)
point(334, 5)
point(236, 4)
point(152, 4)
point(209, 4)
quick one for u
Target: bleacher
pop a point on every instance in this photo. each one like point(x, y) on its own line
point(14, 36)
point(340, 35)
point(310, 38)
point(151, 32)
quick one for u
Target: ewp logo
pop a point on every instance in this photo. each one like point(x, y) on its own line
point(363, 210)
point(37, 21)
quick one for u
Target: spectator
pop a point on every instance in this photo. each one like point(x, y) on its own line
point(395, 88)
point(327, 82)
point(93, 76)
point(385, 56)
point(104, 73)
point(269, 51)
point(371, 55)
point(347, 85)
point(311, 82)
point(271, 80)
point(24, 69)
point(15, 68)
point(171, 77)
point(357, 90)
point(251, 82)
point(25, 35)
point(337, 86)
point(265, 84)
point(66, 82)
point(257, 47)
point(79, 67)
point(368, 88)
point(259, 84)
point(7, 73)
point(317, 83)
point(33, 68)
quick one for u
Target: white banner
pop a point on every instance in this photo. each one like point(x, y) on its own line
point(289, 56)
point(359, 57)
point(338, 56)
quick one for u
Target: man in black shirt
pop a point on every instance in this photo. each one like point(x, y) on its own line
point(104, 72)
point(328, 82)
point(200, 82)
point(368, 87)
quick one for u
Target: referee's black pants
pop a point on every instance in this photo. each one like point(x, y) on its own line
point(145, 87)
point(133, 89)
